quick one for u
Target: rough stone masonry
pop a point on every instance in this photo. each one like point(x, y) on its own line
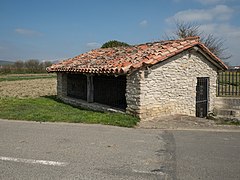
point(166, 88)
point(170, 86)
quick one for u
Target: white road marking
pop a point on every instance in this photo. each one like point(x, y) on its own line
point(33, 161)
point(148, 172)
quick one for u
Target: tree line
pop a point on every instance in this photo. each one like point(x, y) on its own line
point(29, 66)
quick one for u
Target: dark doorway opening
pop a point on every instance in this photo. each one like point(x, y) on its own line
point(202, 96)
point(77, 86)
point(110, 90)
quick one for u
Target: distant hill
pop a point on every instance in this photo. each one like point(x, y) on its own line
point(5, 62)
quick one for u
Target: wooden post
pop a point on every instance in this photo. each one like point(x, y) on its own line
point(90, 88)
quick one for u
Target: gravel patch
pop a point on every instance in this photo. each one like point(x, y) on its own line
point(184, 122)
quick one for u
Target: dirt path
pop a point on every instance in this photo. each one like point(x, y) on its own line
point(182, 122)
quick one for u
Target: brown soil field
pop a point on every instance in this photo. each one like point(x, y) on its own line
point(28, 88)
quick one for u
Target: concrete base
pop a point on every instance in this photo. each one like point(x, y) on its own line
point(227, 109)
point(92, 106)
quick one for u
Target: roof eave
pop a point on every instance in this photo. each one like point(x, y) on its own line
point(77, 71)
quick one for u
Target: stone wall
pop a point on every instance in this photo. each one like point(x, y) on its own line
point(227, 103)
point(77, 86)
point(61, 84)
point(170, 87)
point(133, 92)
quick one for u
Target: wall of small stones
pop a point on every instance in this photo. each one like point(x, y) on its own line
point(227, 103)
point(170, 87)
point(61, 85)
point(133, 93)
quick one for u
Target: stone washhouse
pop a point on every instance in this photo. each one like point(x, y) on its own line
point(147, 80)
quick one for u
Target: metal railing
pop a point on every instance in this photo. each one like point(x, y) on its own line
point(229, 83)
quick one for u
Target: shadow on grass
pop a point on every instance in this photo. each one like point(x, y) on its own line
point(56, 99)
point(89, 116)
point(53, 97)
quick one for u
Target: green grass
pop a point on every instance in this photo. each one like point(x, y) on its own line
point(51, 109)
point(25, 77)
point(229, 123)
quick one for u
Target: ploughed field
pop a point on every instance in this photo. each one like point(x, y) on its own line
point(27, 85)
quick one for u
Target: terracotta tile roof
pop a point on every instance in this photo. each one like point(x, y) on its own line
point(122, 60)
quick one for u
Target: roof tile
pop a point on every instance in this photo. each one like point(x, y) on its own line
point(121, 60)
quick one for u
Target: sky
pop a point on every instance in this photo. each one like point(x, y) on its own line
point(61, 29)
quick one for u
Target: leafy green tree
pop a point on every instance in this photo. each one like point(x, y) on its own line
point(114, 43)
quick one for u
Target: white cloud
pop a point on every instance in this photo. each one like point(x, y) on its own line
point(229, 33)
point(222, 30)
point(207, 2)
point(143, 23)
point(93, 45)
point(222, 12)
point(27, 32)
point(219, 13)
point(232, 36)
point(214, 21)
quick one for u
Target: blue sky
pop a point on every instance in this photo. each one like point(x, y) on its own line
point(60, 29)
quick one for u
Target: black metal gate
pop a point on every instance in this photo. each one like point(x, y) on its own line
point(229, 83)
point(202, 96)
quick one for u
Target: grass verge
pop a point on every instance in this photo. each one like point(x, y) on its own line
point(51, 109)
point(229, 123)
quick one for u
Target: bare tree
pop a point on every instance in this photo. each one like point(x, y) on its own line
point(215, 44)
point(43, 65)
point(184, 30)
point(29, 66)
point(18, 66)
point(32, 65)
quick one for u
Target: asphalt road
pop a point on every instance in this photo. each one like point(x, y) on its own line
point(79, 151)
point(207, 155)
point(30, 150)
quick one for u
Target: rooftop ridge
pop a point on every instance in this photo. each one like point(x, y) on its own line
point(197, 38)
